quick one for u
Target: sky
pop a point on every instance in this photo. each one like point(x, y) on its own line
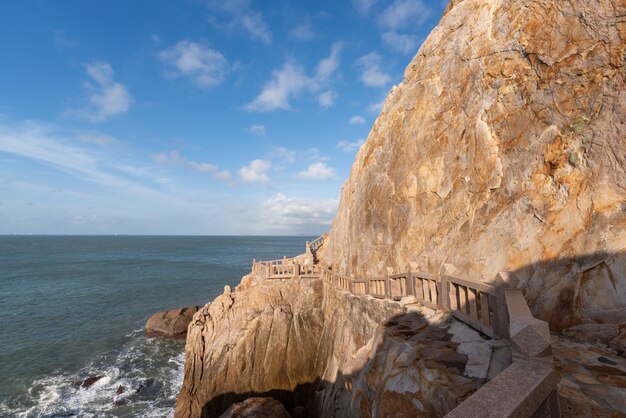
point(192, 117)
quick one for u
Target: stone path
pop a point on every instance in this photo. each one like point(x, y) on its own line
point(593, 380)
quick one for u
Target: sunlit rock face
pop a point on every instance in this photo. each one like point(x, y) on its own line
point(504, 148)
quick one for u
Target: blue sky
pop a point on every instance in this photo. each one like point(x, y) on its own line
point(191, 117)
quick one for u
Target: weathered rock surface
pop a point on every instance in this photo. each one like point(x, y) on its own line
point(609, 335)
point(504, 148)
point(323, 352)
point(170, 324)
point(593, 381)
point(258, 341)
point(257, 408)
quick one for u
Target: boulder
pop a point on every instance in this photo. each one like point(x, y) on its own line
point(257, 408)
point(170, 324)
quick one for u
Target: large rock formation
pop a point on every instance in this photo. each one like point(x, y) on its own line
point(504, 148)
point(323, 352)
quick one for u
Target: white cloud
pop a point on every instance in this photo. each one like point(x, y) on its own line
point(327, 66)
point(373, 75)
point(206, 67)
point(256, 27)
point(62, 41)
point(363, 6)
point(176, 159)
point(327, 99)
point(39, 142)
point(106, 98)
point(256, 172)
point(291, 81)
point(285, 154)
point(257, 130)
point(406, 44)
point(356, 120)
point(243, 16)
point(404, 13)
point(286, 83)
point(291, 213)
point(99, 139)
point(348, 146)
point(376, 108)
point(318, 171)
point(302, 31)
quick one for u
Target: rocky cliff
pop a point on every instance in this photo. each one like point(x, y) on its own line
point(504, 148)
point(323, 352)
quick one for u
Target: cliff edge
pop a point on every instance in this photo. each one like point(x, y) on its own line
point(504, 148)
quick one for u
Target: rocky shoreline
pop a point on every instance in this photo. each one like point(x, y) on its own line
point(324, 352)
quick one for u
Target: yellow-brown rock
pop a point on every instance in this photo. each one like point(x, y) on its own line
point(504, 148)
point(321, 352)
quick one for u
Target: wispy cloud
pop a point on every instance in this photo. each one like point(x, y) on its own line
point(62, 41)
point(257, 129)
point(98, 139)
point(256, 172)
point(326, 67)
point(350, 146)
point(254, 24)
point(327, 99)
point(363, 6)
point(286, 83)
point(356, 120)
point(318, 171)
point(376, 107)
point(106, 97)
point(176, 159)
point(286, 213)
point(372, 75)
point(303, 31)
point(404, 43)
point(291, 81)
point(204, 66)
point(288, 156)
point(244, 17)
point(404, 13)
point(39, 142)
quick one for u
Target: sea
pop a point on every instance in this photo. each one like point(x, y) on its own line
point(75, 307)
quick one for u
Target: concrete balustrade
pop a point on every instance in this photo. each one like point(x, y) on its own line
point(529, 336)
point(527, 388)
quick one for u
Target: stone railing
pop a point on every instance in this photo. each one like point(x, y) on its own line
point(287, 268)
point(316, 243)
point(527, 388)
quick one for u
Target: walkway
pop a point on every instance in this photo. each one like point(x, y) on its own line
point(526, 388)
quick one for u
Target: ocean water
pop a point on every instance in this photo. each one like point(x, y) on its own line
point(74, 307)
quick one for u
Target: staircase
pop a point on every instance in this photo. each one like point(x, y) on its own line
point(527, 388)
point(315, 245)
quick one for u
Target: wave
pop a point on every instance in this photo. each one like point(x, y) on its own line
point(143, 379)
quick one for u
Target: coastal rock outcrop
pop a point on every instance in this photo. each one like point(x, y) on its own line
point(170, 324)
point(323, 352)
point(504, 148)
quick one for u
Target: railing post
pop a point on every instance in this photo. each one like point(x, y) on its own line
point(445, 292)
point(484, 308)
point(500, 314)
point(410, 282)
point(367, 286)
point(388, 293)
